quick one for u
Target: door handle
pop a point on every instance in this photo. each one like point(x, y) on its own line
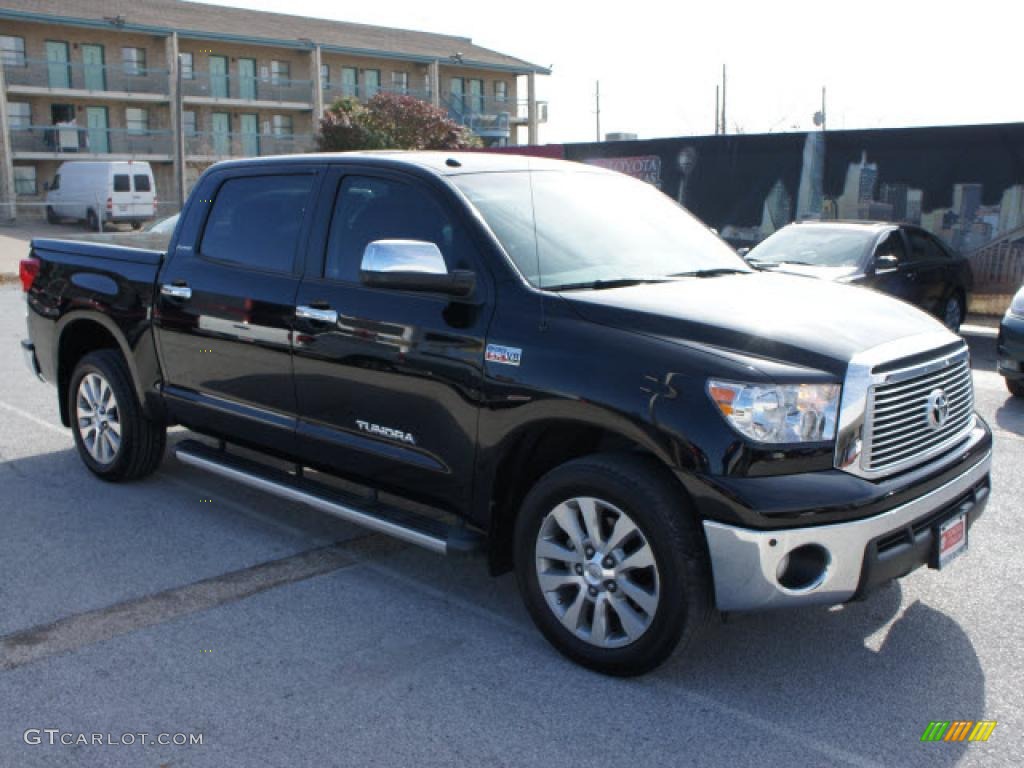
point(176, 291)
point(318, 315)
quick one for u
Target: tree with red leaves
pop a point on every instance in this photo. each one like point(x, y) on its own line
point(390, 121)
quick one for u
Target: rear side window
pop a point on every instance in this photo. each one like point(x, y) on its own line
point(256, 220)
point(122, 182)
point(142, 183)
point(924, 248)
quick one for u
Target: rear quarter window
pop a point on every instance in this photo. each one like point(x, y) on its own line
point(255, 221)
point(122, 182)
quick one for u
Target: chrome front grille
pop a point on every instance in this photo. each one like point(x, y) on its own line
point(917, 412)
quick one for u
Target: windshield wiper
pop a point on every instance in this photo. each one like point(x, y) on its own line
point(713, 272)
point(597, 285)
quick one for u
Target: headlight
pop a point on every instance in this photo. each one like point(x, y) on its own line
point(766, 413)
point(1017, 306)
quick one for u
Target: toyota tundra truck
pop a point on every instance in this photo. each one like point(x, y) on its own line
point(549, 364)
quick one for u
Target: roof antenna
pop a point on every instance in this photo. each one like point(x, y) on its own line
point(536, 245)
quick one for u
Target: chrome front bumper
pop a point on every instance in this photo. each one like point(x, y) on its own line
point(746, 563)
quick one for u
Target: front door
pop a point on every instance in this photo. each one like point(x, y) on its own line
point(220, 128)
point(247, 78)
point(388, 392)
point(219, 77)
point(458, 97)
point(226, 304)
point(58, 70)
point(98, 137)
point(93, 68)
point(248, 128)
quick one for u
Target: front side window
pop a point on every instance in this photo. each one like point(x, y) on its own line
point(12, 51)
point(136, 120)
point(573, 228)
point(19, 114)
point(187, 70)
point(280, 71)
point(134, 61)
point(255, 221)
point(369, 209)
point(25, 180)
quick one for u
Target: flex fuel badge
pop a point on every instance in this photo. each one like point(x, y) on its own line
point(496, 353)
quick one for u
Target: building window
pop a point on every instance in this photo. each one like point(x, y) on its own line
point(187, 70)
point(188, 122)
point(136, 120)
point(12, 51)
point(400, 82)
point(280, 71)
point(19, 114)
point(500, 91)
point(134, 61)
point(282, 125)
point(325, 76)
point(349, 82)
point(25, 180)
point(371, 78)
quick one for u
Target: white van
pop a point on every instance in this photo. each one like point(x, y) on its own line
point(96, 192)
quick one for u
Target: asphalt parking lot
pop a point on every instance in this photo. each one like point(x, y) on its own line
point(184, 604)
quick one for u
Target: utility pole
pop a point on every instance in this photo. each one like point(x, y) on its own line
point(597, 110)
point(716, 109)
point(823, 108)
point(179, 134)
point(724, 128)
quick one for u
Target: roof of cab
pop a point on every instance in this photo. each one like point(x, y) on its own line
point(442, 163)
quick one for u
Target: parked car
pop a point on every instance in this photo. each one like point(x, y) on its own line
point(156, 236)
point(898, 259)
point(1010, 345)
point(600, 392)
point(102, 192)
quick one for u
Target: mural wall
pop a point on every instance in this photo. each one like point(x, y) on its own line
point(963, 183)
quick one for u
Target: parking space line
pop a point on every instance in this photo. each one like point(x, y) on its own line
point(74, 632)
point(34, 419)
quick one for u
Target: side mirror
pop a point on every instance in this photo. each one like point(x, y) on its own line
point(886, 263)
point(412, 265)
point(743, 252)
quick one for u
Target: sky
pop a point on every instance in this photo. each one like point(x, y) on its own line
point(884, 64)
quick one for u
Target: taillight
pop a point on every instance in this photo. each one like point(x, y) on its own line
point(110, 203)
point(28, 270)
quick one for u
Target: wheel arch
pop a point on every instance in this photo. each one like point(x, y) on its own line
point(78, 334)
point(533, 449)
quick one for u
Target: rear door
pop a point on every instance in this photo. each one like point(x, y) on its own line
point(226, 304)
point(143, 191)
point(121, 195)
point(929, 270)
point(388, 390)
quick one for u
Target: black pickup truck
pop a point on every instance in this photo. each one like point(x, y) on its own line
point(549, 363)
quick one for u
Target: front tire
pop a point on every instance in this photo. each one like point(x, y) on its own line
point(114, 438)
point(953, 313)
point(611, 563)
point(1016, 387)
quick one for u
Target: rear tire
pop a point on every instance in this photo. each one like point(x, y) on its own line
point(51, 215)
point(1016, 387)
point(114, 438)
point(623, 562)
point(91, 220)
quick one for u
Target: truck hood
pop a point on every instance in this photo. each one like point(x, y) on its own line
point(810, 323)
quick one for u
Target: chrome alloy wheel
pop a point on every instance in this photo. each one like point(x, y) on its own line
point(597, 572)
point(98, 418)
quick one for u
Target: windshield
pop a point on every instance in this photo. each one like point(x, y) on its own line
point(582, 229)
point(165, 226)
point(814, 245)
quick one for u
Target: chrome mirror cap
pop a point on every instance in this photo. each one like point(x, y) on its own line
point(403, 256)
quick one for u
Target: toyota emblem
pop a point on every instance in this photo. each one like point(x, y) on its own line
point(938, 409)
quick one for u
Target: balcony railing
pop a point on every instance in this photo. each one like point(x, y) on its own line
point(72, 140)
point(248, 88)
point(335, 90)
point(224, 145)
point(39, 73)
